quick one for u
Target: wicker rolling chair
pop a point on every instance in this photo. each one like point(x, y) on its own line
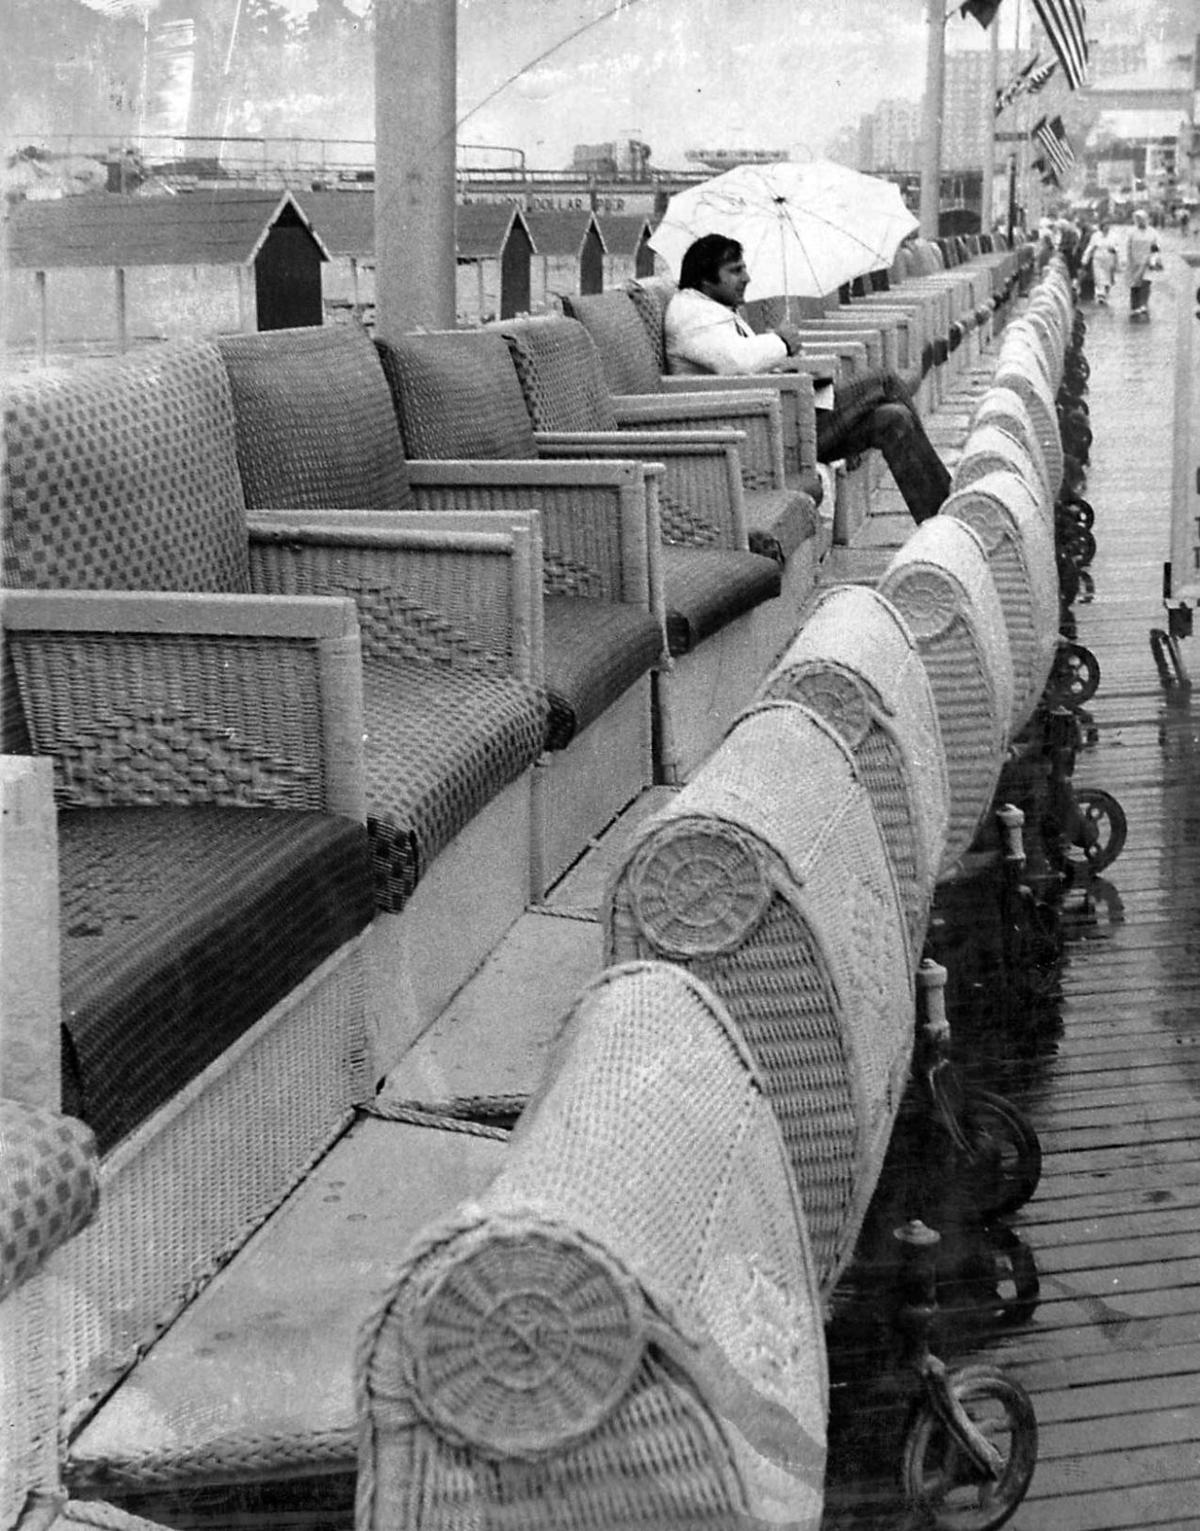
point(1004, 409)
point(768, 878)
point(942, 587)
point(1003, 512)
point(626, 326)
point(623, 1329)
point(1021, 374)
point(855, 663)
point(718, 601)
point(991, 448)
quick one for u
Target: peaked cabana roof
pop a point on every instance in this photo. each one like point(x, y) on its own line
point(204, 228)
point(482, 228)
point(624, 232)
point(343, 220)
point(563, 231)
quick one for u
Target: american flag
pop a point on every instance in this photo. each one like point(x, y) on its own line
point(1029, 78)
point(1063, 21)
point(1039, 77)
point(1051, 138)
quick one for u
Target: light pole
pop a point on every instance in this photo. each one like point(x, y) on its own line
point(931, 135)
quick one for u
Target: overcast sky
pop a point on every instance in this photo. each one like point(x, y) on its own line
point(770, 73)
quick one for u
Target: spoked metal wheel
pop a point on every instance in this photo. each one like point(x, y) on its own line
point(1075, 677)
point(941, 1479)
point(1006, 1153)
point(1103, 828)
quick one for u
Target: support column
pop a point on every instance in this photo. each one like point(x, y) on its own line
point(415, 106)
point(987, 187)
point(931, 136)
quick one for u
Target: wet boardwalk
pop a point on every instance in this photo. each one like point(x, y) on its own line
point(1111, 1355)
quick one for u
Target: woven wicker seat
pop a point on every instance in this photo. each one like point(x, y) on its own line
point(941, 585)
point(623, 1328)
point(855, 663)
point(768, 878)
point(1003, 512)
point(158, 975)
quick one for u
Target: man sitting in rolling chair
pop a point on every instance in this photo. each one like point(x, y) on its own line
point(706, 334)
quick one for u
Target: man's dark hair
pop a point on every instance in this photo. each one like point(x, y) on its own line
point(703, 260)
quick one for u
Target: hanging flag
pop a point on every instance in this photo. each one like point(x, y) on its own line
point(1017, 86)
point(1051, 138)
point(1039, 77)
point(1044, 173)
point(1063, 21)
point(984, 11)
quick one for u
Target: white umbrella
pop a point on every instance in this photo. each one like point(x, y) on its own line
point(806, 227)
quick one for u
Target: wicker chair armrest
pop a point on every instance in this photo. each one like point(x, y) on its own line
point(756, 412)
point(49, 1186)
point(146, 698)
point(464, 585)
point(794, 390)
point(702, 495)
point(599, 518)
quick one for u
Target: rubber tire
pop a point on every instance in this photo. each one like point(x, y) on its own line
point(1101, 805)
point(1009, 1252)
point(1021, 1150)
point(927, 1434)
point(1075, 678)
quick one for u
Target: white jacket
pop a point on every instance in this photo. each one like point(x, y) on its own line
point(703, 336)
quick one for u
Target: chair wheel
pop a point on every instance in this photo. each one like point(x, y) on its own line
point(1104, 828)
point(940, 1480)
point(1006, 1154)
point(1075, 677)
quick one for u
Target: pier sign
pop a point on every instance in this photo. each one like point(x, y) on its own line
point(1184, 585)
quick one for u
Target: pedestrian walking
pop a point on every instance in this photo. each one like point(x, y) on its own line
point(1101, 256)
point(1141, 258)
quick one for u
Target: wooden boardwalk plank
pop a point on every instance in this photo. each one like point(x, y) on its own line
point(1111, 1076)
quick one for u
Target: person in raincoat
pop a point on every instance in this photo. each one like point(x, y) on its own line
point(706, 334)
point(1101, 256)
point(1141, 257)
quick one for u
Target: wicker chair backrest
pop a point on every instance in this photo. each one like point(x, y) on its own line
point(315, 425)
point(560, 374)
point(941, 584)
point(1003, 512)
point(1004, 408)
point(629, 358)
point(855, 663)
point(642, 1240)
point(993, 445)
point(457, 396)
point(768, 878)
point(1034, 393)
point(122, 474)
point(650, 297)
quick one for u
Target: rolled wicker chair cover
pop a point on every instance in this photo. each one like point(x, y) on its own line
point(768, 877)
point(1003, 512)
point(856, 664)
point(1034, 392)
point(1041, 322)
point(990, 448)
point(1004, 408)
point(942, 586)
point(624, 1329)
